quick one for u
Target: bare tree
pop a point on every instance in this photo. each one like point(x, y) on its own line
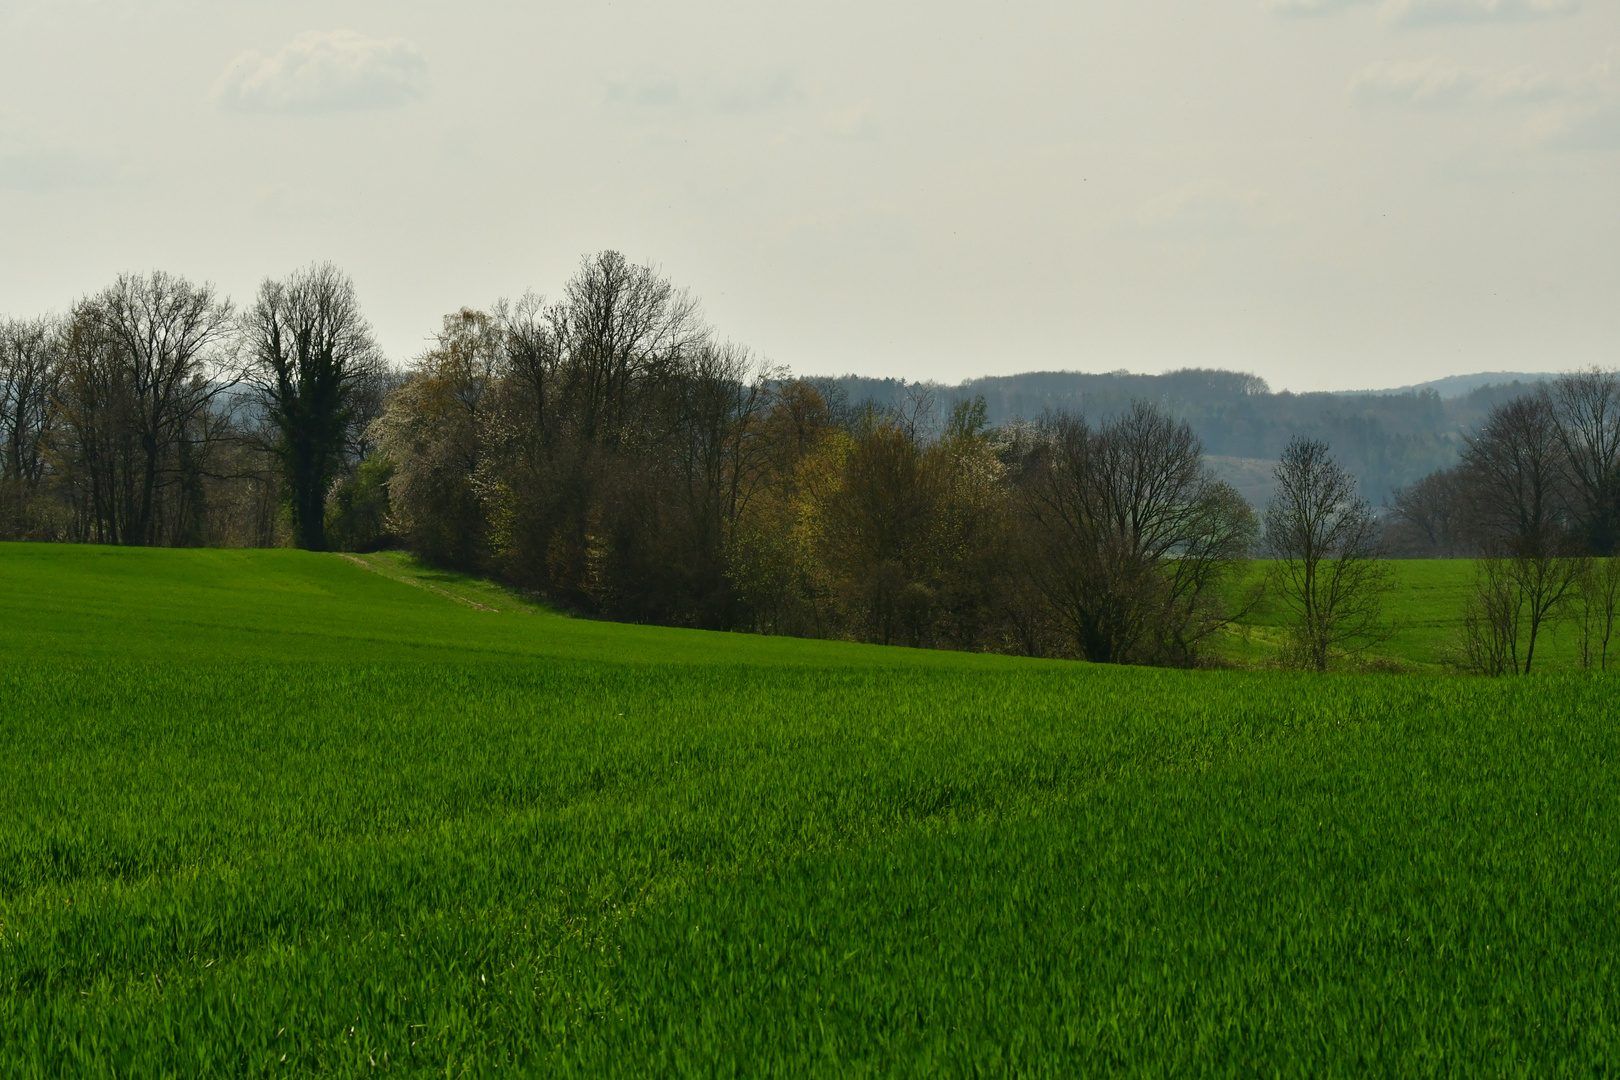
point(1135, 535)
point(29, 371)
point(623, 325)
point(1514, 475)
point(1324, 540)
point(1489, 643)
point(174, 338)
point(1517, 496)
point(144, 363)
point(531, 356)
point(96, 438)
point(1586, 414)
point(1428, 515)
point(310, 353)
point(1597, 595)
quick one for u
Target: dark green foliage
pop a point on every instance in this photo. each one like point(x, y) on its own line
point(310, 352)
point(357, 512)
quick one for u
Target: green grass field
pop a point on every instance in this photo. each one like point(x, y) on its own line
point(1425, 607)
point(274, 814)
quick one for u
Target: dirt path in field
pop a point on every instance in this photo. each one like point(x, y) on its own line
point(412, 581)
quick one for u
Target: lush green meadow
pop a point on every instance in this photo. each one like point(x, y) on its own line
point(270, 813)
point(1424, 610)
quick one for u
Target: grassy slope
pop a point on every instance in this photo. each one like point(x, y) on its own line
point(81, 601)
point(270, 813)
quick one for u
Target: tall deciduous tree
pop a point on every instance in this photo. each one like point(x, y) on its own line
point(1323, 538)
point(772, 561)
point(28, 376)
point(1586, 412)
point(434, 433)
point(311, 353)
point(591, 395)
point(1427, 516)
point(880, 530)
point(143, 364)
point(1135, 535)
point(1518, 498)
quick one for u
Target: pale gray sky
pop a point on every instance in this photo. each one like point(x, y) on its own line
point(1330, 193)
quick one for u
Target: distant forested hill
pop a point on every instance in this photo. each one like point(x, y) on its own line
point(1388, 438)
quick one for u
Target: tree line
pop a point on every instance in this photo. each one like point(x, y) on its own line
point(608, 451)
point(155, 412)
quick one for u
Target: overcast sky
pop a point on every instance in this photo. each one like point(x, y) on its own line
point(1329, 193)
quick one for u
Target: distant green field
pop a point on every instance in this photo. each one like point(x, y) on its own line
point(271, 814)
point(1425, 608)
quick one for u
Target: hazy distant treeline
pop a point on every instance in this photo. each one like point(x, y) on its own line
point(1386, 439)
point(609, 451)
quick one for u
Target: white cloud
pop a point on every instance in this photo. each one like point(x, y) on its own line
point(1589, 129)
point(1314, 7)
point(646, 94)
point(1423, 82)
point(1585, 115)
point(325, 72)
point(765, 91)
point(757, 93)
point(1433, 12)
point(1579, 111)
point(1210, 207)
point(851, 122)
point(1436, 81)
point(1436, 12)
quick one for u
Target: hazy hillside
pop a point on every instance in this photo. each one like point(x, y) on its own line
point(1387, 437)
point(1453, 386)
